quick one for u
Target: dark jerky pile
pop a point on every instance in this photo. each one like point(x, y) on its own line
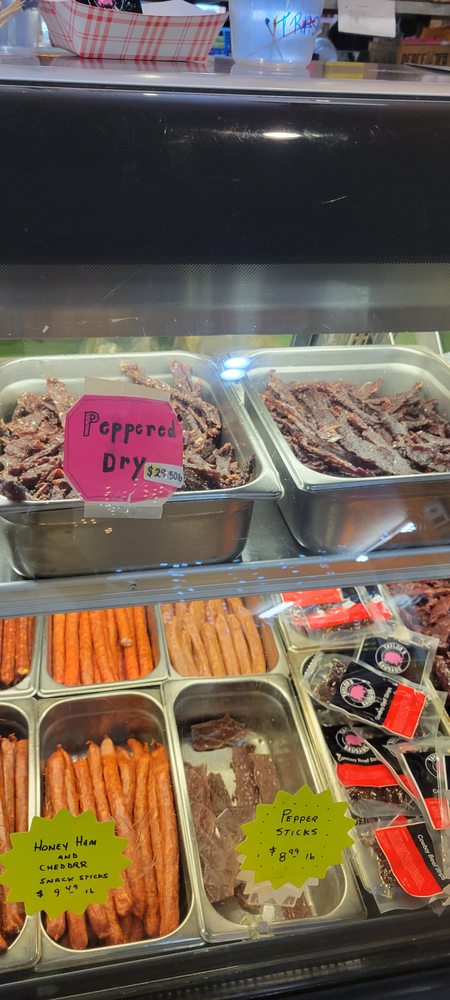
point(32, 445)
point(32, 442)
point(327, 689)
point(218, 817)
point(426, 608)
point(347, 430)
point(208, 462)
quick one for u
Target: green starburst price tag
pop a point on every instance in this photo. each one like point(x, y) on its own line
point(295, 839)
point(64, 863)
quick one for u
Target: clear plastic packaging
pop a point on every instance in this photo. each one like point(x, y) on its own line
point(363, 693)
point(384, 748)
point(418, 758)
point(402, 654)
point(403, 864)
point(370, 786)
point(332, 616)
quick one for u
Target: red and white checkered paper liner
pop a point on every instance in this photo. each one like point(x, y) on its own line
point(94, 33)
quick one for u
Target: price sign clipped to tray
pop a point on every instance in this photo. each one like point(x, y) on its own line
point(291, 844)
point(66, 863)
point(123, 449)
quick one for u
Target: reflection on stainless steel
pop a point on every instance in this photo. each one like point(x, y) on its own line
point(329, 514)
point(20, 719)
point(264, 706)
point(71, 723)
point(55, 538)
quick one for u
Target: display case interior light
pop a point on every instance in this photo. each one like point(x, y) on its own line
point(236, 362)
point(232, 374)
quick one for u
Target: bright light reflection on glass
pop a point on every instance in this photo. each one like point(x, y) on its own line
point(409, 526)
point(282, 135)
point(236, 363)
point(232, 374)
point(362, 558)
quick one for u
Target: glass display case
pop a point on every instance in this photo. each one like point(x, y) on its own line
point(264, 254)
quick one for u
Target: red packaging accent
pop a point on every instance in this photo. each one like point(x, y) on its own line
point(378, 607)
point(342, 614)
point(372, 776)
point(408, 783)
point(406, 861)
point(438, 813)
point(306, 598)
point(405, 710)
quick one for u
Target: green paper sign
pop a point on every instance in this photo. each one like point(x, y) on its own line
point(64, 863)
point(296, 838)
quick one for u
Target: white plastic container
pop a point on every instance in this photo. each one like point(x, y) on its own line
point(274, 32)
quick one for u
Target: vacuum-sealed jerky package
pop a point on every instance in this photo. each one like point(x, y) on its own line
point(384, 748)
point(402, 654)
point(418, 758)
point(403, 865)
point(380, 604)
point(365, 693)
point(333, 616)
point(371, 788)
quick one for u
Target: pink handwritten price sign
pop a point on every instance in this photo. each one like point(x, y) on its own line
point(123, 444)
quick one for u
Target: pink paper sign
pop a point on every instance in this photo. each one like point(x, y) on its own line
point(120, 448)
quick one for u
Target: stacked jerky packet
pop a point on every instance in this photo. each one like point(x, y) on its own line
point(130, 784)
point(404, 859)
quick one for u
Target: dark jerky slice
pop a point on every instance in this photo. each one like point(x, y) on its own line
point(387, 877)
point(246, 793)
point(198, 790)
point(220, 865)
point(327, 689)
point(390, 794)
point(229, 823)
point(219, 796)
point(217, 733)
point(265, 777)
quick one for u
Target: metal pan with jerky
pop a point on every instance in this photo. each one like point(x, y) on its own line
point(220, 638)
point(108, 649)
point(19, 934)
point(108, 753)
point(235, 746)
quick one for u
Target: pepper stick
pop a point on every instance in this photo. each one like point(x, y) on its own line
point(87, 675)
point(141, 819)
point(113, 636)
point(167, 866)
point(122, 895)
point(8, 652)
point(58, 647)
point(127, 642)
point(101, 646)
point(72, 660)
point(124, 825)
point(102, 917)
point(144, 648)
point(12, 914)
point(127, 770)
point(76, 922)
point(21, 785)
point(55, 799)
point(7, 752)
point(22, 657)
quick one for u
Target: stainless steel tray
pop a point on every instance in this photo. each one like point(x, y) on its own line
point(53, 538)
point(29, 685)
point(49, 688)
point(265, 705)
point(331, 514)
point(281, 667)
point(20, 718)
point(72, 722)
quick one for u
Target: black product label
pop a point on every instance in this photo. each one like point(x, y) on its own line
point(411, 855)
point(356, 764)
point(374, 698)
point(423, 766)
point(405, 659)
point(383, 745)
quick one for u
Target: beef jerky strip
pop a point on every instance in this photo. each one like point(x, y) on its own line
point(219, 795)
point(217, 733)
point(265, 776)
point(246, 793)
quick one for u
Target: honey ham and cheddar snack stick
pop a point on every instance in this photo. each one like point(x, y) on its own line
point(101, 647)
point(16, 647)
point(132, 785)
point(13, 819)
point(217, 638)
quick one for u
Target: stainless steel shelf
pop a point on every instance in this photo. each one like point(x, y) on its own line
point(410, 7)
point(271, 561)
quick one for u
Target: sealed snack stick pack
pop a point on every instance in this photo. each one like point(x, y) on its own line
point(402, 654)
point(331, 616)
point(403, 865)
point(419, 759)
point(365, 694)
point(370, 786)
point(385, 749)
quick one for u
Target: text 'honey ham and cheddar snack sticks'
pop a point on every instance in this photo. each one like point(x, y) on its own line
point(130, 784)
point(217, 638)
point(16, 649)
point(101, 647)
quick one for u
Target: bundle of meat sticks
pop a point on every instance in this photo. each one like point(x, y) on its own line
point(99, 647)
point(132, 785)
point(13, 819)
point(16, 649)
